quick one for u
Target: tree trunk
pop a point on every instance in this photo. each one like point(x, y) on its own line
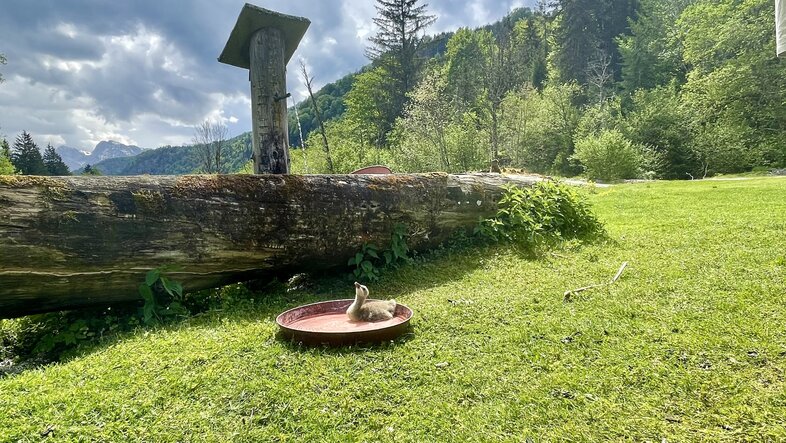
point(67, 242)
point(268, 102)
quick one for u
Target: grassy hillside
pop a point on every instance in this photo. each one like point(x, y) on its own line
point(174, 160)
point(688, 345)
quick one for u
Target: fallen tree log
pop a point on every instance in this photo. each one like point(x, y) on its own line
point(67, 242)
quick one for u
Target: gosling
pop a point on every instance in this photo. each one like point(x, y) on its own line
point(359, 310)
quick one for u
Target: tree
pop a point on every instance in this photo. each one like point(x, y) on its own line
point(2, 62)
point(467, 60)
point(6, 167)
point(652, 53)
point(500, 78)
point(26, 157)
point(585, 27)
point(735, 89)
point(600, 76)
point(366, 104)
point(659, 120)
point(435, 136)
point(424, 144)
point(210, 138)
point(89, 170)
point(395, 47)
point(307, 80)
point(529, 46)
point(537, 127)
point(54, 163)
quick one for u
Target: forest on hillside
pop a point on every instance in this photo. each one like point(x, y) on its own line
point(609, 89)
point(606, 89)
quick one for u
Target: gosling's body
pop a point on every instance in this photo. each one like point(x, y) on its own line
point(360, 310)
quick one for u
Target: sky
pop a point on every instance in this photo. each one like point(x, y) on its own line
point(144, 72)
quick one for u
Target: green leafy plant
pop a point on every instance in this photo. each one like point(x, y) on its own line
point(546, 211)
point(370, 260)
point(68, 336)
point(163, 297)
point(399, 251)
point(363, 261)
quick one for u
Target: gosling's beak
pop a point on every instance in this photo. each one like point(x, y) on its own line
point(357, 285)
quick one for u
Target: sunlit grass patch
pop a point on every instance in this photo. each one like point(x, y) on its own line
point(687, 345)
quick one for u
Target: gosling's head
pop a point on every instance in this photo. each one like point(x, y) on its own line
point(361, 291)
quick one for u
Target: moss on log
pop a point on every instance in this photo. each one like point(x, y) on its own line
point(67, 242)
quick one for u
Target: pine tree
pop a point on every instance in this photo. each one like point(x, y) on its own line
point(54, 163)
point(26, 157)
point(89, 170)
point(588, 30)
point(5, 149)
point(6, 167)
point(395, 48)
point(2, 62)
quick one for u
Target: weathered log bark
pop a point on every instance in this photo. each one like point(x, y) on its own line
point(67, 242)
point(268, 102)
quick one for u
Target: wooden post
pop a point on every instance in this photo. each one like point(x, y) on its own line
point(268, 102)
point(263, 41)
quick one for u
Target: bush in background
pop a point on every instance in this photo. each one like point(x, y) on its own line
point(609, 156)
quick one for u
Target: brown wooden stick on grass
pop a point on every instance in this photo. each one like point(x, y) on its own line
point(569, 294)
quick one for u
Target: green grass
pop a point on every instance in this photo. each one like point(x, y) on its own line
point(688, 345)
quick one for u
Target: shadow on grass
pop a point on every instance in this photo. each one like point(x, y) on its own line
point(20, 348)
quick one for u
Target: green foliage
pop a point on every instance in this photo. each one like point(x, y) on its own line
point(363, 261)
point(370, 260)
point(432, 137)
point(45, 337)
point(652, 53)
point(6, 167)
point(395, 48)
point(163, 297)
point(585, 28)
point(609, 156)
point(544, 212)
point(735, 91)
point(54, 163)
point(90, 170)
point(537, 127)
point(660, 121)
point(467, 61)
point(349, 150)
point(368, 112)
point(26, 157)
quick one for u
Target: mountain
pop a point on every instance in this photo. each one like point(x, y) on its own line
point(72, 157)
point(110, 149)
point(76, 159)
point(176, 160)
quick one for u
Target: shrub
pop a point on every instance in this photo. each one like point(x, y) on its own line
point(546, 211)
point(661, 121)
point(609, 156)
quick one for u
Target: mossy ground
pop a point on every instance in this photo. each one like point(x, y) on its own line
point(688, 345)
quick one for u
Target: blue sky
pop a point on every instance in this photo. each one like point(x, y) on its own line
point(144, 72)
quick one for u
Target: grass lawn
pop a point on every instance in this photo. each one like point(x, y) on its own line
point(688, 345)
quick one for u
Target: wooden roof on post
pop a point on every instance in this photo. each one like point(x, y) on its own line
point(253, 18)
